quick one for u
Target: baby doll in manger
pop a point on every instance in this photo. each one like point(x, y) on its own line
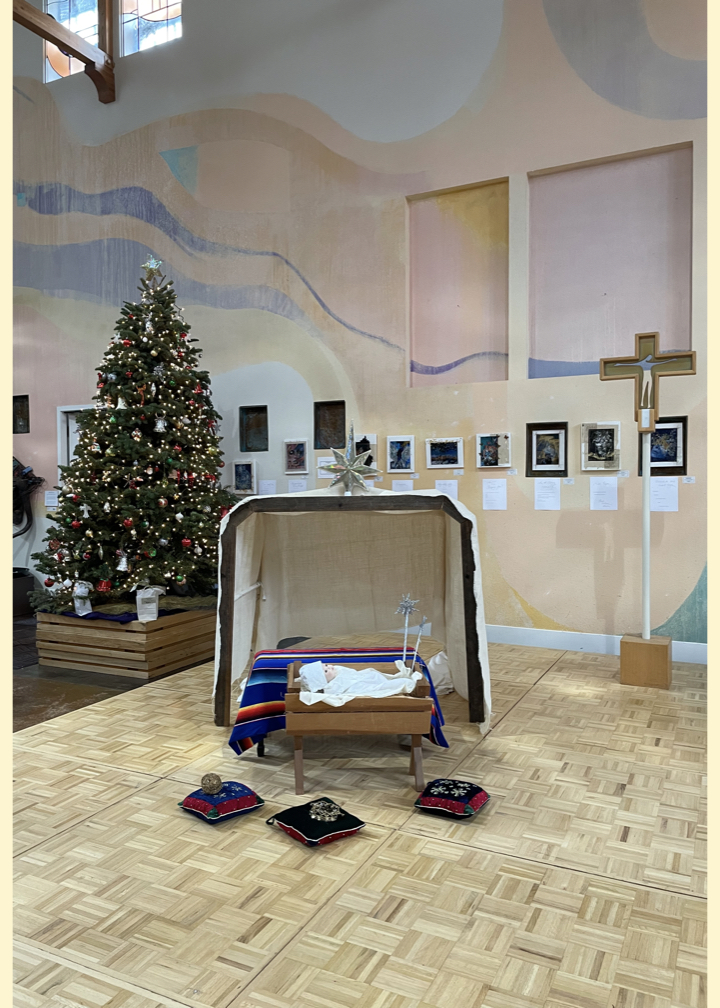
point(336, 684)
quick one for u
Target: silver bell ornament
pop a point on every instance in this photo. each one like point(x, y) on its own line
point(179, 516)
point(106, 506)
point(121, 404)
point(161, 424)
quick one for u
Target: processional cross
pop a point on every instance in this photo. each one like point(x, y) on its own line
point(646, 368)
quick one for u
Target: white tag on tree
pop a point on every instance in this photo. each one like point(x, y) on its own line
point(147, 603)
point(81, 601)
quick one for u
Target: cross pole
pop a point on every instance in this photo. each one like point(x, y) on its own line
point(646, 368)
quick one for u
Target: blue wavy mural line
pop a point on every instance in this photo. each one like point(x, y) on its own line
point(430, 369)
point(134, 201)
point(106, 272)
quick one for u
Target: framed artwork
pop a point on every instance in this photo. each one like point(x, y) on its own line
point(401, 453)
point(546, 449)
point(296, 457)
point(444, 453)
point(493, 451)
point(366, 442)
point(254, 429)
point(329, 424)
point(600, 445)
point(21, 414)
point(668, 447)
point(244, 479)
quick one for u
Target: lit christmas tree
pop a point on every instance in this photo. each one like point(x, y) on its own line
point(141, 500)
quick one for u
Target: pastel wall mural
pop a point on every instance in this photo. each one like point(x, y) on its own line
point(280, 200)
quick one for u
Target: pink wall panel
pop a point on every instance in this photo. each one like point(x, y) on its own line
point(458, 286)
point(610, 255)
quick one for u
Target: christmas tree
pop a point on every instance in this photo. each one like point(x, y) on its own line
point(141, 499)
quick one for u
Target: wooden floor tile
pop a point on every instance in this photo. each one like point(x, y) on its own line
point(49, 796)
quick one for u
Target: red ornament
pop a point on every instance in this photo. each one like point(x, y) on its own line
point(49, 582)
point(126, 342)
point(131, 316)
point(128, 374)
point(128, 523)
point(75, 524)
point(54, 544)
point(177, 448)
point(76, 498)
point(104, 586)
point(198, 387)
point(183, 335)
point(101, 384)
point(187, 542)
point(223, 511)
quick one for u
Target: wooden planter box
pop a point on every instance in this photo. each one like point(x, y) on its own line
point(139, 650)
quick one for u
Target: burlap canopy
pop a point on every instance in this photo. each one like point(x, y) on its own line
point(324, 563)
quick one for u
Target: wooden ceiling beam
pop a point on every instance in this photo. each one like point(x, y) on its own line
point(99, 65)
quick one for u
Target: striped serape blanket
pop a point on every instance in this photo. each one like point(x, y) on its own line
point(262, 704)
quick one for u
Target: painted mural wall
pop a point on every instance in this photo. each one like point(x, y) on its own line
point(267, 158)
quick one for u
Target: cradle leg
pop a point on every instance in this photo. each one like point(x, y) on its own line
point(261, 746)
point(416, 762)
point(299, 775)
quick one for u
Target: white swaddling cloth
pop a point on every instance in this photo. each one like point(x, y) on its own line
point(349, 683)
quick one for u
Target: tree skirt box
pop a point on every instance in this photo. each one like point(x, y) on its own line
point(138, 650)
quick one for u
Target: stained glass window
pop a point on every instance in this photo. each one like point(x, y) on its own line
point(81, 17)
point(147, 23)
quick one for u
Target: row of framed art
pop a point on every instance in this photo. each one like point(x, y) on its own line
point(546, 451)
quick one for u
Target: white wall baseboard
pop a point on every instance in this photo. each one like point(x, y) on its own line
point(567, 640)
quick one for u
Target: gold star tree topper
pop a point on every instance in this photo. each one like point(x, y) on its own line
point(349, 468)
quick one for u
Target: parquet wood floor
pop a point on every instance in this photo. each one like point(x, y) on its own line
point(580, 885)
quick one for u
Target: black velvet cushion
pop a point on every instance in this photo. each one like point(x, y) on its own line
point(318, 822)
point(453, 798)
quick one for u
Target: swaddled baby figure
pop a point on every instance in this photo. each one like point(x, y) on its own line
point(337, 683)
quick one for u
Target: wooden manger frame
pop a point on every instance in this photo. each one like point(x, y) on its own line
point(332, 503)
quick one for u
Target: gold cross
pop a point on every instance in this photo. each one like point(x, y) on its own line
point(647, 367)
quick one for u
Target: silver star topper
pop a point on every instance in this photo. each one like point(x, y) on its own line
point(152, 268)
point(407, 605)
point(349, 468)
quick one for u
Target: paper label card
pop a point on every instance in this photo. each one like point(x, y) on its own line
point(449, 487)
point(51, 498)
point(547, 493)
point(603, 493)
point(267, 486)
point(664, 493)
point(297, 485)
point(494, 495)
point(400, 486)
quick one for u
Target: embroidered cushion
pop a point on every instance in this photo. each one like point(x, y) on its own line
point(233, 799)
point(318, 822)
point(456, 799)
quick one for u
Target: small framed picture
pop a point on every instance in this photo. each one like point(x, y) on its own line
point(366, 442)
point(401, 453)
point(668, 447)
point(546, 449)
point(444, 453)
point(296, 457)
point(244, 481)
point(600, 445)
point(21, 414)
point(493, 451)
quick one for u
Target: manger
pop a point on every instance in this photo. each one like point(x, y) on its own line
point(325, 563)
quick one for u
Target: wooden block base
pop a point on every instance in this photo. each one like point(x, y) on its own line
point(646, 662)
point(138, 650)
